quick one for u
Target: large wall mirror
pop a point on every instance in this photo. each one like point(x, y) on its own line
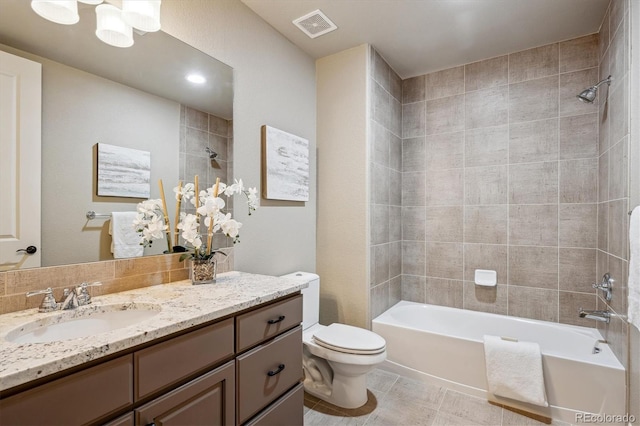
point(136, 97)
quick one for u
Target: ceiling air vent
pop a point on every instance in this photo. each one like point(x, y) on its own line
point(315, 24)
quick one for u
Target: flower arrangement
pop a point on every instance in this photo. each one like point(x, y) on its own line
point(152, 221)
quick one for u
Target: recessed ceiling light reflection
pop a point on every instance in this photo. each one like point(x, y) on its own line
point(196, 79)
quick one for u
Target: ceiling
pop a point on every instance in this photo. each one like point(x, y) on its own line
point(421, 36)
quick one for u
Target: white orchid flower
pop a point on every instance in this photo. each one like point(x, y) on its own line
point(210, 206)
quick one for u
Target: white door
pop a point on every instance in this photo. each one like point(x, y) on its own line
point(20, 122)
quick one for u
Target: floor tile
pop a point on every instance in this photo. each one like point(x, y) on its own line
point(475, 410)
point(406, 390)
point(380, 380)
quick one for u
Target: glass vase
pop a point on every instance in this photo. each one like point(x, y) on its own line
point(203, 271)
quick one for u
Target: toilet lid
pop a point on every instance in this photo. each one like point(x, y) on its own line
point(348, 339)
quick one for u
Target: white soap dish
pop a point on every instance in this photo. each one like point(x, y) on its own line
point(486, 277)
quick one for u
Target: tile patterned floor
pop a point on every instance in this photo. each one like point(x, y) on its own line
point(396, 400)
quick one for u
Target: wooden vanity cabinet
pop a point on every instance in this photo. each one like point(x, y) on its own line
point(239, 369)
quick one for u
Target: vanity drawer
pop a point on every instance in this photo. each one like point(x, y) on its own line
point(170, 362)
point(288, 410)
point(207, 400)
point(80, 398)
point(267, 372)
point(261, 324)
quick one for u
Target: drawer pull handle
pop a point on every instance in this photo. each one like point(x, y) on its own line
point(275, 321)
point(274, 372)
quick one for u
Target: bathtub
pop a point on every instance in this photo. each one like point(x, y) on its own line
point(444, 346)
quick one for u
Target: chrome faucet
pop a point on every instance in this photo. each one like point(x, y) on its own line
point(71, 298)
point(602, 316)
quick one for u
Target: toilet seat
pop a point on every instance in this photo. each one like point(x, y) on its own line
point(348, 339)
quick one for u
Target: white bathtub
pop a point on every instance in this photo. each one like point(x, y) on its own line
point(444, 346)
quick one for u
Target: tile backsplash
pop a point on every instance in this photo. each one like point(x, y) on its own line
point(115, 275)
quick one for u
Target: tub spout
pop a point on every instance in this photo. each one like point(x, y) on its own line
point(602, 316)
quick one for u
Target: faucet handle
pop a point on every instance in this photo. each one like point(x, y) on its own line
point(48, 302)
point(84, 298)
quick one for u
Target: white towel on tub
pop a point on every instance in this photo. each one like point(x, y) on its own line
point(633, 284)
point(514, 370)
point(125, 240)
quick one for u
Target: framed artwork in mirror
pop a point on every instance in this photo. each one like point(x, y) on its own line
point(123, 172)
point(285, 165)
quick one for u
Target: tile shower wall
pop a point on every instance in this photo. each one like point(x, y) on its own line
point(199, 131)
point(613, 172)
point(385, 166)
point(500, 172)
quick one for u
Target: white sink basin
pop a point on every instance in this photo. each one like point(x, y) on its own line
point(82, 322)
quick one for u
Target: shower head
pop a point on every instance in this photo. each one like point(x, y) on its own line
point(589, 95)
point(212, 153)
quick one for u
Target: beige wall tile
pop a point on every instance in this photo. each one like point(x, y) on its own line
point(486, 107)
point(444, 260)
point(413, 288)
point(603, 127)
point(604, 34)
point(533, 267)
point(381, 71)
point(485, 299)
point(485, 224)
point(60, 276)
point(570, 303)
point(533, 183)
point(381, 264)
point(3, 281)
point(219, 126)
point(485, 256)
point(533, 225)
point(533, 63)
point(445, 150)
point(618, 228)
point(396, 85)
point(577, 269)
point(602, 265)
point(619, 271)
point(617, 336)
point(413, 90)
point(533, 100)
point(444, 224)
point(379, 299)
point(131, 282)
point(444, 292)
point(395, 153)
point(143, 265)
point(413, 223)
point(380, 138)
point(395, 223)
point(380, 224)
point(181, 274)
point(445, 83)
point(618, 175)
point(381, 105)
point(413, 189)
point(571, 84)
point(488, 146)
point(534, 303)
point(395, 259)
point(603, 224)
point(485, 185)
point(444, 187)
point(414, 258)
point(533, 141)
point(579, 136)
point(578, 225)
point(579, 181)
point(413, 154)
point(603, 177)
point(488, 73)
point(445, 115)
point(395, 188)
point(618, 49)
point(413, 120)
point(197, 119)
point(619, 108)
point(395, 124)
point(579, 53)
point(395, 290)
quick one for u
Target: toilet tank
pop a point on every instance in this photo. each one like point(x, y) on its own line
point(310, 298)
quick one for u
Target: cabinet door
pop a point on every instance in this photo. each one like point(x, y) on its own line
point(207, 400)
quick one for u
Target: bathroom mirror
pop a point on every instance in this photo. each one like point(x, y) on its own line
point(136, 97)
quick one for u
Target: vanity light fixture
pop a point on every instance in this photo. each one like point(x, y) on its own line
point(196, 79)
point(111, 28)
point(61, 12)
point(114, 25)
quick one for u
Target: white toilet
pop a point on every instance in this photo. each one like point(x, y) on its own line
point(336, 358)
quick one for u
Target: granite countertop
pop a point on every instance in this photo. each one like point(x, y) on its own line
point(182, 306)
